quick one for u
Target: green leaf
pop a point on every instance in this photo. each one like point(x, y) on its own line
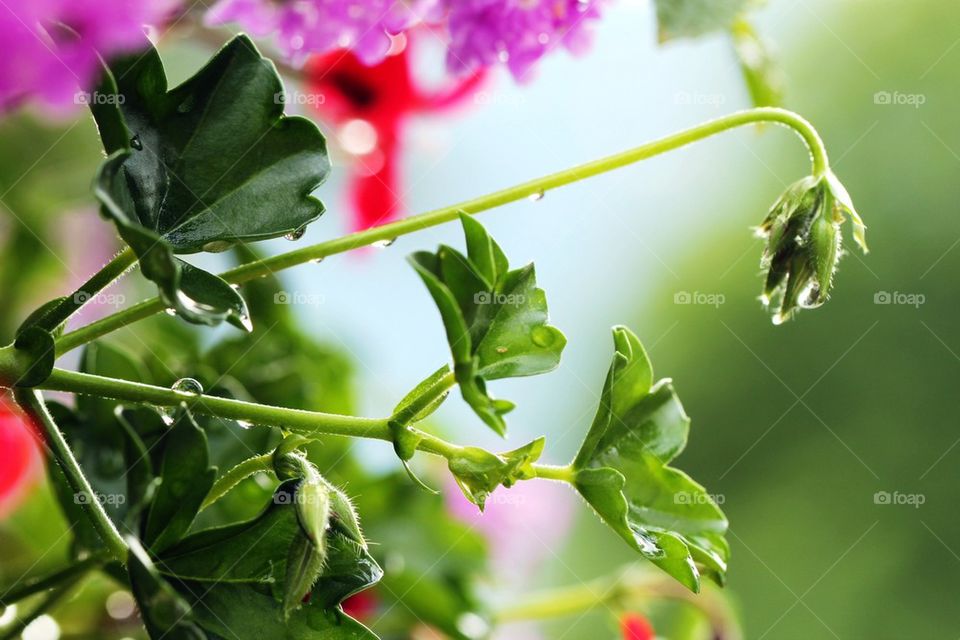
point(479, 472)
point(164, 612)
point(37, 347)
point(761, 72)
point(185, 480)
point(304, 564)
point(495, 319)
point(622, 472)
point(692, 18)
point(209, 163)
point(249, 612)
point(37, 318)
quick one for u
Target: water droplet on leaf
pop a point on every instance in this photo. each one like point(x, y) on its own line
point(170, 312)
point(537, 196)
point(135, 143)
point(543, 336)
point(293, 236)
point(383, 244)
point(188, 385)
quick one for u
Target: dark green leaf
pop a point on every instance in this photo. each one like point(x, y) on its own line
point(36, 317)
point(495, 319)
point(219, 300)
point(249, 612)
point(692, 18)
point(207, 164)
point(622, 472)
point(185, 479)
point(479, 472)
point(165, 614)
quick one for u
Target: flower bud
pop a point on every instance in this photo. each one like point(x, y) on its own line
point(803, 248)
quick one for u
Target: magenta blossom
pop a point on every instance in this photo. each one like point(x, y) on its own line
point(516, 32)
point(51, 46)
point(318, 26)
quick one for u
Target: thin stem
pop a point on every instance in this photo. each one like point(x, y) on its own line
point(422, 221)
point(89, 289)
point(624, 589)
point(52, 599)
point(35, 585)
point(32, 403)
point(310, 423)
point(226, 483)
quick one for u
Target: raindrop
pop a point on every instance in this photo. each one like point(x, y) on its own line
point(383, 244)
point(188, 385)
point(135, 143)
point(217, 246)
point(543, 336)
point(170, 312)
point(810, 297)
point(244, 424)
point(537, 196)
point(293, 236)
point(316, 261)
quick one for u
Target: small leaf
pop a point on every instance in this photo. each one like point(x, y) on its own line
point(164, 612)
point(36, 318)
point(479, 472)
point(495, 319)
point(313, 508)
point(693, 18)
point(207, 164)
point(185, 480)
point(344, 516)
point(413, 408)
point(37, 347)
point(622, 472)
point(761, 72)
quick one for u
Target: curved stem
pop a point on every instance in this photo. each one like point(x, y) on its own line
point(412, 224)
point(89, 289)
point(60, 593)
point(310, 423)
point(236, 475)
point(32, 403)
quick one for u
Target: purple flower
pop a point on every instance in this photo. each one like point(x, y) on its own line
point(516, 32)
point(318, 26)
point(51, 46)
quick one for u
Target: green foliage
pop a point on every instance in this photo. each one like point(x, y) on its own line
point(622, 472)
point(479, 472)
point(202, 166)
point(495, 318)
point(692, 18)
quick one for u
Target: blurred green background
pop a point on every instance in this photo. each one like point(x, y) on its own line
point(802, 430)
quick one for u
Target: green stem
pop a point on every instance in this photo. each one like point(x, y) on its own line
point(32, 403)
point(89, 289)
point(622, 590)
point(236, 475)
point(422, 221)
point(35, 585)
point(310, 423)
point(52, 599)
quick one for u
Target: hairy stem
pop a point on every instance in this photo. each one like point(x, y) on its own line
point(309, 423)
point(412, 224)
point(236, 475)
point(89, 289)
point(32, 403)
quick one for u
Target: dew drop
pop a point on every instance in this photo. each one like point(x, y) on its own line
point(810, 297)
point(779, 318)
point(170, 312)
point(293, 236)
point(543, 336)
point(501, 349)
point(188, 385)
point(135, 143)
point(316, 261)
point(244, 424)
point(537, 196)
point(383, 244)
point(217, 246)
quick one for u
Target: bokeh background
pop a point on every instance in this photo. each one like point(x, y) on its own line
point(819, 437)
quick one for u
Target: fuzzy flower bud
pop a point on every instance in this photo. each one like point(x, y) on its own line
point(804, 244)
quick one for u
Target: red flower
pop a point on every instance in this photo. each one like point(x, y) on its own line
point(371, 105)
point(20, 461)
point(361, 606)
point(634, 626)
